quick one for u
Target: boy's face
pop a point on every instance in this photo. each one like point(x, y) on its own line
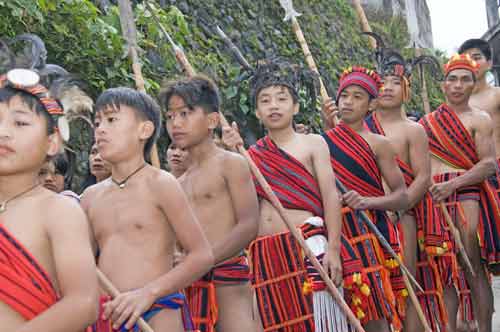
point(50, 178)
point(177, 158)
point(188, 127)
point(275, 107)
point(24, 143)
point(119, 133)
point(100, 168)
point(478, 56)
point(354, 103)
point(458, 86)
point(392, 95)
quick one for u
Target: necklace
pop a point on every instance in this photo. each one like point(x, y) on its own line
point(3, 205)
point(121, 184)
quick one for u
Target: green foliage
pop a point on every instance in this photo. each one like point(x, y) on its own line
point(89, 44)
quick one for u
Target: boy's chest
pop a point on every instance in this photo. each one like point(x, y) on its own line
point(204, 184)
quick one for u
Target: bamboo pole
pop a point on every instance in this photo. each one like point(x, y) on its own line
point(114, 292)
point(365, 26)
point(130, 35)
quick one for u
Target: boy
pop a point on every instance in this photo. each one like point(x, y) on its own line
point(296, 166)
point(47, 272)
point(463, 157)
point(219, 186)
point(137, 216)
point(412, 149)
point(53, 172)
point(177, 160)
point(361, 159)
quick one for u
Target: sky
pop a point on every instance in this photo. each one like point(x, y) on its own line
point(454, 21)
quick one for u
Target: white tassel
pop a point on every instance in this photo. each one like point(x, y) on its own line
point(328, 316)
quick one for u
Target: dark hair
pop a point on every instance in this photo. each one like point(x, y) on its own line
point(61, 164)
point(480, 44)
point(198, 90)
point(7, 93)
point(145, 106)
point(293, 93)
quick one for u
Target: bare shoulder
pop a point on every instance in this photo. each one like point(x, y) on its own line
point(90, 193)
point(314, 141)
point(481, 118)
point(415, 130)
point(380, 144)
point(160, 181)
point(228, 160)
point(61, 212)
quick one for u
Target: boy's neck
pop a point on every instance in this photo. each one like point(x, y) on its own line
point(12, 185)
point(281, 136)
point(481, 85)
point(460, 108)
point(122, 169)
point(357, 126)
point(203, 150)
point(390, 114)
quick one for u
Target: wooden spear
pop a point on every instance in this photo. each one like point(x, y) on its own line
point(279, 207)
point(291, 15)
point(365, 26)
point(130, 35)
point(114, 292)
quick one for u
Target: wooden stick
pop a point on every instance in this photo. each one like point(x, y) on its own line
point(295, 233)
point(365, 26)
point(423, 93)
point(406, 274)
point(130, 35)
point(114, 292)
point(457, 237)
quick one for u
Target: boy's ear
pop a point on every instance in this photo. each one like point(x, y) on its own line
point(213, 120)
point(147, 130)
point(442, 86)
point(373, 104)
point(296, 108)
point(55, 144)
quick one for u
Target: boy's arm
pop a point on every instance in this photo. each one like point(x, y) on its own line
point(246, 207)
point(85, 199)
point(420, 161)
point(75, 271)
point(129, 306)
point(485, 147)
point(397, 199)
point(331, 205)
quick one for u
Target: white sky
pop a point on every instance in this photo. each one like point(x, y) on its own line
point(454, 21)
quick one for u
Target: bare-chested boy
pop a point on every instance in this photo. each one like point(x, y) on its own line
point(412, 149)
point(486, 97)
point(177, 160)
point(361, 160)
point(219, 186)
point(137, 215)
point(297, 168)
point(463, 156)
point(47, 271)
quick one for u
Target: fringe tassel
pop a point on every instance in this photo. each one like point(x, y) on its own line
point(328, 317)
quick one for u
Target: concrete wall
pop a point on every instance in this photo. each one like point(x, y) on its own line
point(417, 17)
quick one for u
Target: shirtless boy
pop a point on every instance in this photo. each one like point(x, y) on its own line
point(137, 215)
point(297, 168)
point(47, 271)
point(463, 156)
point(219, 186)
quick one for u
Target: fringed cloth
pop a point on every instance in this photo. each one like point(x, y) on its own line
point(201, 296)
point(174, 301)
point(297, 189)
point(451, 142)
point(433, 241)
point(25, 285)
point(355, 166)
point(450, 271)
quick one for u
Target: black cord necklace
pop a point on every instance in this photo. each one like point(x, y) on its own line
point(121, 184)
point(3, 205)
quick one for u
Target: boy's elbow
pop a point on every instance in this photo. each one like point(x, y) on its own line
point(491, 165)
point(88, 304)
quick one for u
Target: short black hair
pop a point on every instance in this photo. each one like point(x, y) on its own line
point(198, 90)
point(61, 164)
point(480, 44)
point(145, 106)
point(7, 93)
